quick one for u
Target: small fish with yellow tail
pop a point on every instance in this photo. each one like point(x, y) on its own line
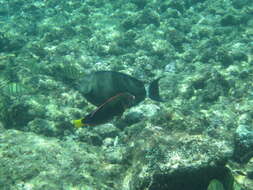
point(114, 106)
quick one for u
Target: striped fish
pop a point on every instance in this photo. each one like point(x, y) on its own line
point(70, 72)
point(15, 89)
point(3, 83)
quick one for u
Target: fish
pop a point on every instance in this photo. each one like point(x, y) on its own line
point(15, 90)
point(3, 82)
point(69, 71)
point(114, 106)
point(99, 86)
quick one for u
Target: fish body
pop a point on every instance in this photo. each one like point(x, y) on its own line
point(114, 106)
point(102, 85)
point(15, 90)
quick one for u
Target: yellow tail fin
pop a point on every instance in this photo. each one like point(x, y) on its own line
point(78, 123)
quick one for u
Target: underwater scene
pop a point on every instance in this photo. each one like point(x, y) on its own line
point(126, 95)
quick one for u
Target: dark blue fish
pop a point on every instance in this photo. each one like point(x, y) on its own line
point(102, 85)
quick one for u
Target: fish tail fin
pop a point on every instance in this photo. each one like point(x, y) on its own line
point(78, 123)
point(153, 90)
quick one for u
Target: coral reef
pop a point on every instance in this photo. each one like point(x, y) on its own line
point(201, 133)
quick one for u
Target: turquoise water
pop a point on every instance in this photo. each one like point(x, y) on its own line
point(202, 49)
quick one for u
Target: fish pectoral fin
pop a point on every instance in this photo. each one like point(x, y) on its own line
point(77, 123)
